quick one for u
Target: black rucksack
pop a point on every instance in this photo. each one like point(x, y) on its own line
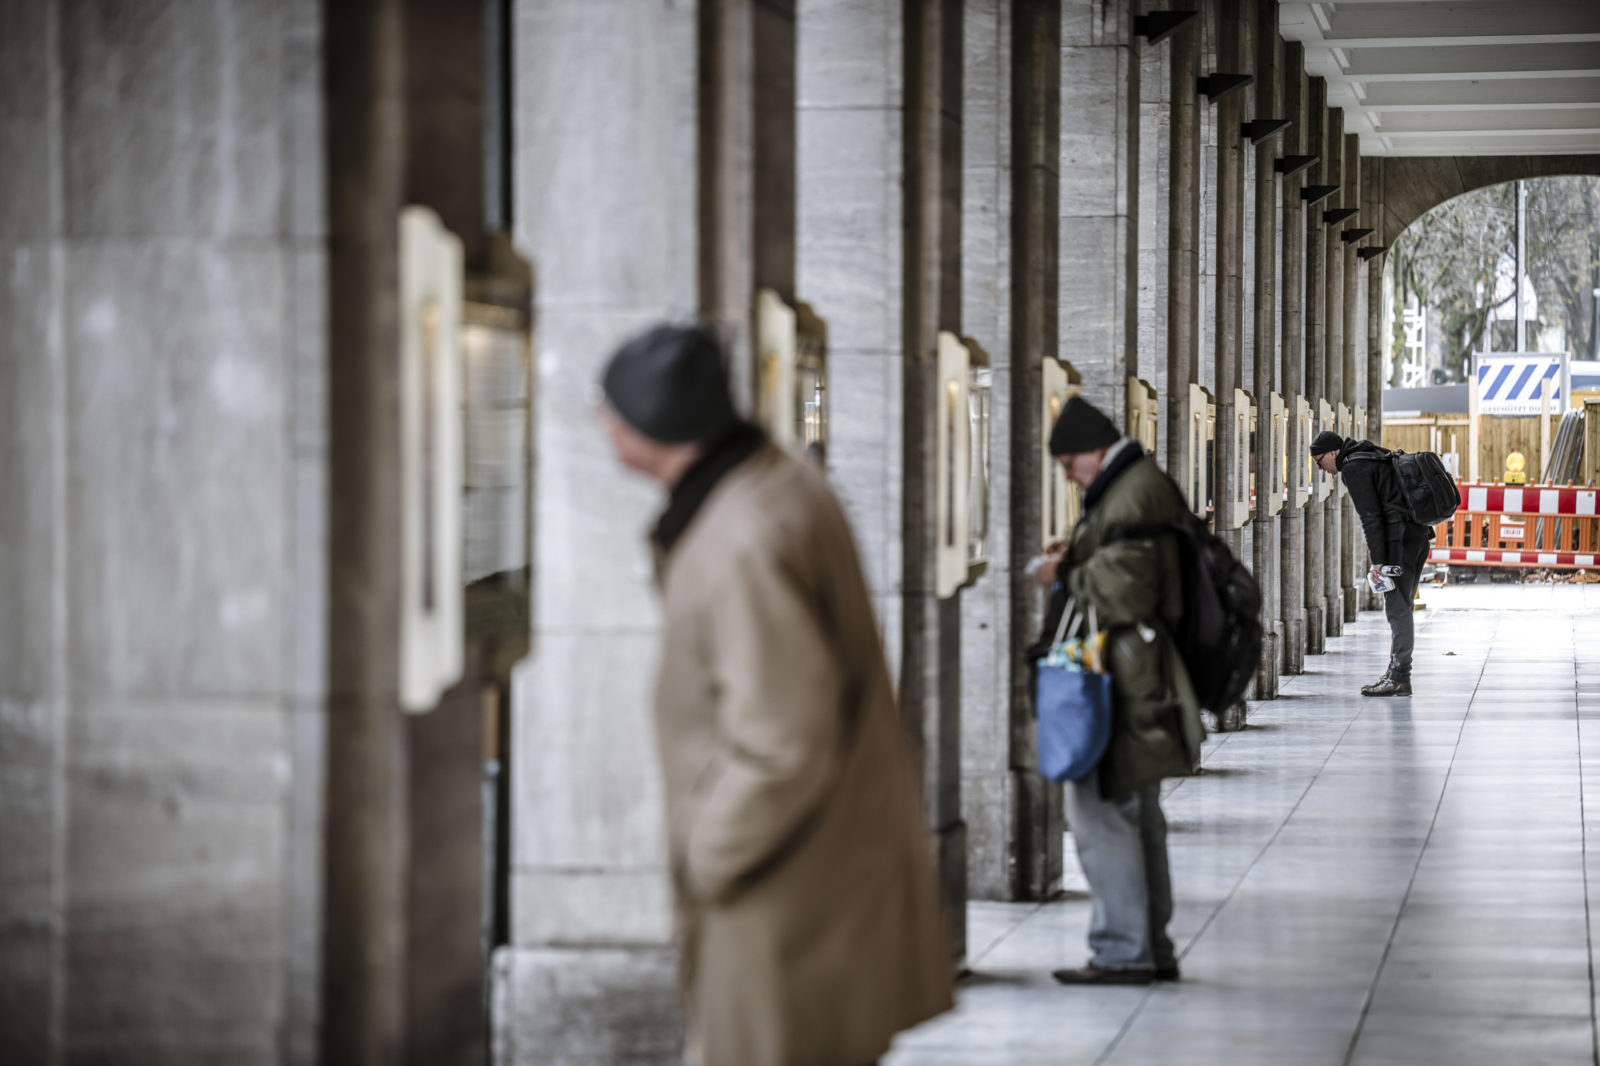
point(1219, 635)
point(1429, 491)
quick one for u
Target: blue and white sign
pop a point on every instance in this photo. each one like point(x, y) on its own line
point(1511, 384)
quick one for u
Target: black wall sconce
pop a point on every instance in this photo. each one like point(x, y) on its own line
point(1290, 165)
point(1216, 86)
point(1157, 26)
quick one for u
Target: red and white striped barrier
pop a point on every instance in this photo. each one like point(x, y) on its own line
point(1552, 526)
point(1500, 557)
point(1538, 499)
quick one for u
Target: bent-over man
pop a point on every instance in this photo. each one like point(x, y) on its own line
point(807, 906)
point(1393, 540)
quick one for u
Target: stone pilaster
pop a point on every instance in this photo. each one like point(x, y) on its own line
point(1353, 545)
point(1266, 358)
point(879, 209)
point(989, 784)
point(1313, 318)
point(1333, 368)
point(1292, 599)
point(1099, 198)
point(589, 974)
point(1183, 243)
point(1155, 178)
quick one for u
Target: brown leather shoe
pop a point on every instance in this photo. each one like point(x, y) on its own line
point(1090, 974)
point(1388, 687)
point(1372, 689)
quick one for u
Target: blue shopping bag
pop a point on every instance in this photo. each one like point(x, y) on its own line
point(1072, 702)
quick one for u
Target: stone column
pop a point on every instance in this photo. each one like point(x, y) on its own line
point(1035, 319)
point(1266, 358)
point(1183, 242)
point(1353, 547)
point(989, 787)
point(1229, 236)
point(1316, 302)
point(163, 462)
point(1294, 142)
point(1207, 358)
point(1010, 190)
point(930, 668)
point(35, 426)
point(1372, 197)
point(747, 167)
point(679, 93)
point(879, 223)
point(366, 838)
point(1099, 201)
point(1333, 370)
point(1155, 176)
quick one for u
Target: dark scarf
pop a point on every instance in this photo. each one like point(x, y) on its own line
point(1110, 472)
point(691, 491)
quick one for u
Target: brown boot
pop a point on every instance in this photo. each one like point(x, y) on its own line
point(1388, 687)
point(1090, 974)
point(1372, 689)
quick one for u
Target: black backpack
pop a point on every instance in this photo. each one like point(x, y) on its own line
point(1429, 491)
point(1219, 635)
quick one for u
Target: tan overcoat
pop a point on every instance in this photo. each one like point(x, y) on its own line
point(807, 903)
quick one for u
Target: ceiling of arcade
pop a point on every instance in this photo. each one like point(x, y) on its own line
point(1457, 77)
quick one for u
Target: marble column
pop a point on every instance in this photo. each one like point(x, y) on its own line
point(163, 462)
point(1183, 243)
point(879, 213)
point(1265, 354)
point(1010, 190)
point(1155, 176)
point(1316, 302)
point(1333, 589)
point(1372, 197)
point(1099, 198)
point(1292, 601)
point(1229, 236)
point(685, 95)
point(1353, 545)
point(989, 792)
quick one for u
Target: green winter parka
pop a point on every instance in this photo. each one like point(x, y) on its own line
point(1136, 589)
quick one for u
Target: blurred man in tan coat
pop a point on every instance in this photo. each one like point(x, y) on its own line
point(808, 909)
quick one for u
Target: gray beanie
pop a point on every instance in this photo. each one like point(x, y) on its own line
point(670, 384)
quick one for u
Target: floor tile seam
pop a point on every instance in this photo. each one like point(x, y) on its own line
point(1394, 929)
point(1133, 1017)
point(1007, 935)
point(1583, 821)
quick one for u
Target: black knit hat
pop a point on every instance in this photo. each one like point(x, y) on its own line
point(1325, 442)
point(1080, 427)
point(670, 383)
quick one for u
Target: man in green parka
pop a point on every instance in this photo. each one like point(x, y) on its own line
point(1135, 588)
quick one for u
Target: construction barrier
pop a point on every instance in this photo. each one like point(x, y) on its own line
point(1537, 526)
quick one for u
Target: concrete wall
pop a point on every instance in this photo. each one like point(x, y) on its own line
point(161, 603)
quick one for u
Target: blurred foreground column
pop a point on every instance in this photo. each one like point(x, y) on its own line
point(650, 165)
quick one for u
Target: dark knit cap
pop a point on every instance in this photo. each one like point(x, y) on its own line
point(670, 383)
point(1325, 442)
point(1080, 427)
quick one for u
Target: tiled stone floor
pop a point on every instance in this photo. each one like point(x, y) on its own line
point(1358, 881)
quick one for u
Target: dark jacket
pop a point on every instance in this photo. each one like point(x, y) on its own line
point(1375, 492)
point(1136, 589)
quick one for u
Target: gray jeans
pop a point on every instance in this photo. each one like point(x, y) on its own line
point(1122, 845)
point(1397, 608)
